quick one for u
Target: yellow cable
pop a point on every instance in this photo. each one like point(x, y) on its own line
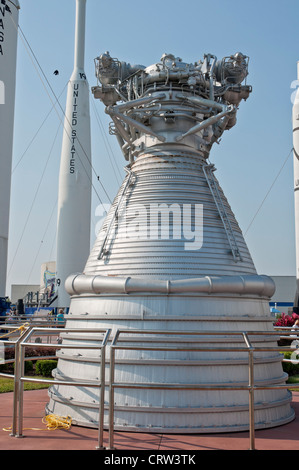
point(57, 422)
point(52, 422)
point(32, 429)
point(20, 328)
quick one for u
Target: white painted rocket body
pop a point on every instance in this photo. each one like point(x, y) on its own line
point(9, 15)
point(74, 198)
point(295, 120)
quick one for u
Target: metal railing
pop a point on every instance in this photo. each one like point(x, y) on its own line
point(167, 343)
point(248, 347)
point(43, 320)
point(15, 344)
point(19, 374)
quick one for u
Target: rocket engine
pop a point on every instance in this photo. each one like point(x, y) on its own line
point(171, 256)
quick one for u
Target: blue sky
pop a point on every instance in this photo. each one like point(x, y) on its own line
point(249, 158)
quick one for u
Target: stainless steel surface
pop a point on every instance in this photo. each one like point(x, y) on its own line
point(19, 375)
point(143, 340)
point(16, 344)
point(262, 286)
point(131, 343)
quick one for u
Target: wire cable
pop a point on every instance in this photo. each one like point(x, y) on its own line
point(41, 242)
point(33, 202)
point(39, 69)
point(27, 46)
point(107, 144)
point(269, 190)
point(37, 132)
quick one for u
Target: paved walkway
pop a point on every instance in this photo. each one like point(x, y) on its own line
point(78, 438)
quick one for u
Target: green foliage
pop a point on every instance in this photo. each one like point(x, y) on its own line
point(28, 366)
point(8, 368)
point(3, 368)
point(31, 352)
point(45, 367)
point(7, 385)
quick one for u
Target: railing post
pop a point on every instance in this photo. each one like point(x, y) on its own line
point(102, 392)
point(16, 389)
point(21, 391)
point(111, 398)
point(251, 401)
point(102, 401)
point(17, 375)
point(251, 391)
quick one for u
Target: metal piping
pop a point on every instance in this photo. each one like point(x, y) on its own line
point(139, 102)
point(202, 101)
point(204, 124)
point(262, 286)
point(132, 122)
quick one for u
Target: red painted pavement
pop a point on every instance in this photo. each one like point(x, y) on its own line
point(79, 438)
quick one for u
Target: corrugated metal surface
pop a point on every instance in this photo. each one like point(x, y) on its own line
point(139, 277)
point(168, 258)
point(173, 411)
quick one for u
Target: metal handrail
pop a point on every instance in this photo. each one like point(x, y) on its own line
point(19, 377)
point(16, 344)
point(171, 344)
point(38, 320)
point(251, 387)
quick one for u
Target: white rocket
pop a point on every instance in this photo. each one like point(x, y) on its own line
point(295, 120)
point(9, 20)
point(74, 198)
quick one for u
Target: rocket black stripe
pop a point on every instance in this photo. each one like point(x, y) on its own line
point(296, 154)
